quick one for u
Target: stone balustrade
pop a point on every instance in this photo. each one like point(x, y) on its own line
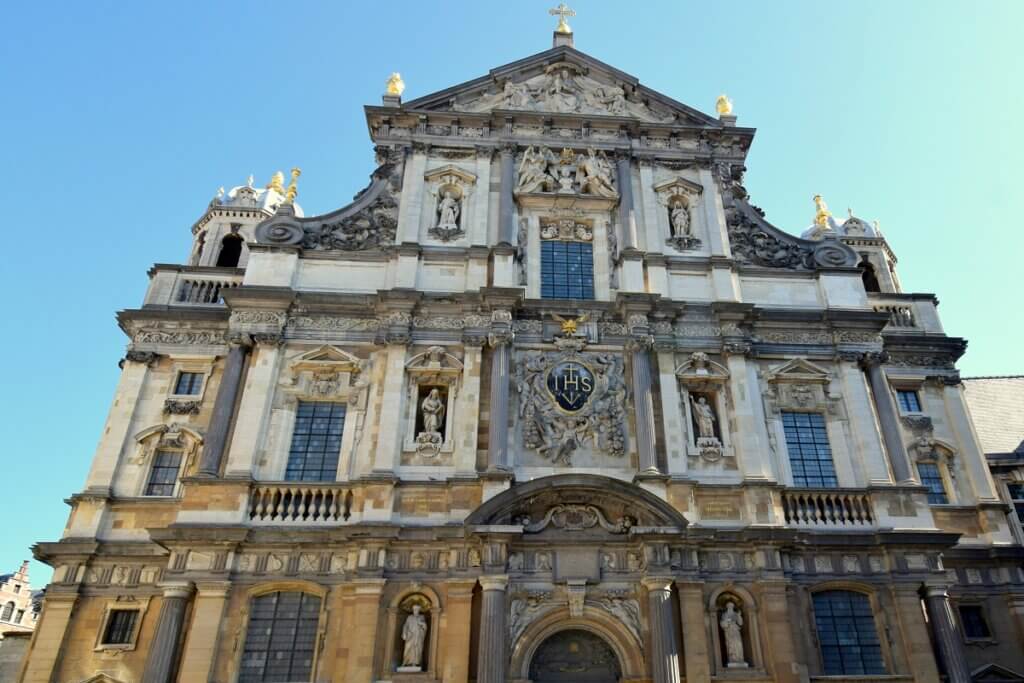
point(190, 285)
point(828, 509)
point(299, 503)
point(908, 313)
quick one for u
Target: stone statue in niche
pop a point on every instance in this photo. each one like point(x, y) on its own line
point(704, 416)
point(449, 208)
point(731, 623)
point(433, 412)
point(682, 237)
point(414, 636)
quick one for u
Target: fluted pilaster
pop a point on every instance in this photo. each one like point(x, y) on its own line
point(948, 638)
point(643, 403)
point(493, 636)
point(664, 641)
point(162, 660)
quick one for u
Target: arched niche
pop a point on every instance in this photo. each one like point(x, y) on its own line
point(747, 607)
point(627, 649)
point(400, 608)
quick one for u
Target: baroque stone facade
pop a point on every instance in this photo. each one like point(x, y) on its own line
point(549, 401)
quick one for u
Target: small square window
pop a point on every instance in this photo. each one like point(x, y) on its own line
point(120, 627)
point(188, 384)
point(972, 618)
point(909, 401)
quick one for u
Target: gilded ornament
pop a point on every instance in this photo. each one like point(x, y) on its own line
point(293, 186)
point(562, 11)
point(277, 183)
point(395, 84)
point(723, 105)
point(821, 212)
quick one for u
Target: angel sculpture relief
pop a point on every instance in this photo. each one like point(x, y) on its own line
point(533, 171)
point(570, 326)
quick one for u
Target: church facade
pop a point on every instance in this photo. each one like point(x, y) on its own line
point(549, 401)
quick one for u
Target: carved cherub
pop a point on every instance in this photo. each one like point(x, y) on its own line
point(570, 326)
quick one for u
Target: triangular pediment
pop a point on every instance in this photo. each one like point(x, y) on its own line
point(799, 370)
point(327, 354)
point(563, 81)
point(991, 673)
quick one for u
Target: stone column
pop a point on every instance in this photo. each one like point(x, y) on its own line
point(664, 648)
point(468, 405)
point(134, 370)
point(971, 455)
point(506, 203)
point(456, 634)
point(643, 402)
point(40, 662)
point(888, 418)
point(500, 341)
point(627, 218)
point(948, 638)
point(162, 660)
point(914, 631)
point(696, 652)
point(391, 425)
point(866, 439)
point(673, 414)
point(750, 438)
point(215, 445)
point(493, 636)
point(203, 632)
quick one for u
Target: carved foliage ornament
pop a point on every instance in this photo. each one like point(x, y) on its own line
point(577, 518)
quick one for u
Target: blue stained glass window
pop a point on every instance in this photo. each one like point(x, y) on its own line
point(932, 478)
point(281, 639)
point(567, 270)
point(909, 401)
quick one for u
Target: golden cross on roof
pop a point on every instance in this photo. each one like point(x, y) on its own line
point(562, 11)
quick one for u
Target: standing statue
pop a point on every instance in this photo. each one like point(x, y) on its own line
point(448, 208)
point(433, 412)
point(680, 215)
point(705, 417)
point(414, 635)
point(732, 628)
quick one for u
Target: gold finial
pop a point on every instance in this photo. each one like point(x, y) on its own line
point(395, 85)
point(276, 183)
point(568, 157)
point(724, 105)
point(562, 12)
point(821, 212)
point(293, 186)
point(571, 325)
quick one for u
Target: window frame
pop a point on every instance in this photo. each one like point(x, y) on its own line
point(980, 606)
point(916, 393)
point(125, 603)
point(943, 476)
point(203, 368)
point(290, 587)
point(291, 440)
point(789, 451)
point(876, 622)
point(148, 481)
point(549, 265)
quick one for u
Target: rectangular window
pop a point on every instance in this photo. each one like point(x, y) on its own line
point(909, 401)
point(316, 442)
point(17, 588)
point(932, 478)
point(847, 634)
point(120, 627)
point(972, 618)
point(19, 616)
point(810, 456)
point(188, 384)
point(281, 639)
point(1017, 498)
point(164, 474)
point(566, 270)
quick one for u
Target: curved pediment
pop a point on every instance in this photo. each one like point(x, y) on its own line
point(563, 81)
point(577, 502)
point(369, 222)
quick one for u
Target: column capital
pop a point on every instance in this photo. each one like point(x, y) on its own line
point(213, 589)
point(177, 589)
point(873, 359)
point(147, 358)
point(657, 583)
point(937, 591)
point(493, 582)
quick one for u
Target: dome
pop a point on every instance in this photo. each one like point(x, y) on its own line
point(848, 227)
point(266, 198)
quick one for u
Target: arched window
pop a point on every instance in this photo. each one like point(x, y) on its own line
point(868, 275)
point(8, 612)
point(280, 642)
point(230, 251)
point(847, 634)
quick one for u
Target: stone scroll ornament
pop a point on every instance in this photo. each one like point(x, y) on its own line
point(369, 222)
point(567, 399)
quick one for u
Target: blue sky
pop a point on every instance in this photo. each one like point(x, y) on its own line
point(121, 120)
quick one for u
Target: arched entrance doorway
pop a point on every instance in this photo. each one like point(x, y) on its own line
point(575, 656)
